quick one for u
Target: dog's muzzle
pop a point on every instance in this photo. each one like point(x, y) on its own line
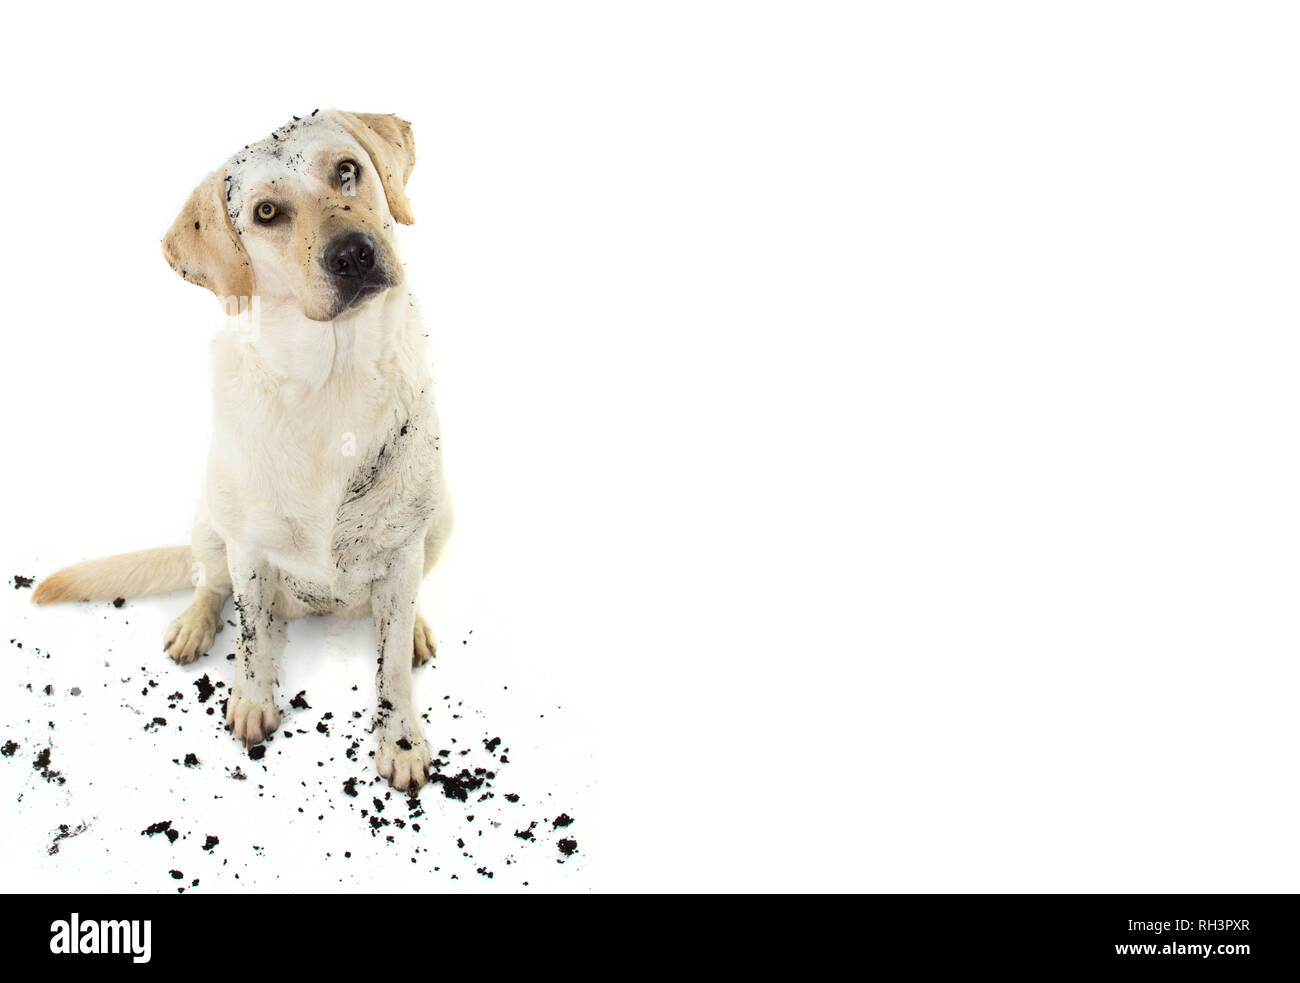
point(349, 260)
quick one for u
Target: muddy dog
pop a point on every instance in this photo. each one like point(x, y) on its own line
point(324, 490)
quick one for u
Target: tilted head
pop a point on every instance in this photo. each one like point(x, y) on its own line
point(305, 217)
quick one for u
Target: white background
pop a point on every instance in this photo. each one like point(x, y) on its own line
point(874, 423)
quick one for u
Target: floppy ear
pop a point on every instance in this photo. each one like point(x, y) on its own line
point(391, 147)
point(202, 245)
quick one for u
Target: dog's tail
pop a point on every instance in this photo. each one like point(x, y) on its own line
point(138, 574)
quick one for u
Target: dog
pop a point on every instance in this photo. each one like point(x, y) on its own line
point(324, 490)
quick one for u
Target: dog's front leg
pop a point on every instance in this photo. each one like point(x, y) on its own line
point(250, 711)
point(402, 756)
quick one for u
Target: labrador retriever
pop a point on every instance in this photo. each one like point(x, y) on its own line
point(324, 490)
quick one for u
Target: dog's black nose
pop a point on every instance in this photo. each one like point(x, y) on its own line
point(350, 255)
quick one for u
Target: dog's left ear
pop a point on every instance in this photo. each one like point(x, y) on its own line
point(391, 147)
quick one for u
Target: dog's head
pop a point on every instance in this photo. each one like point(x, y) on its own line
point(303, 217)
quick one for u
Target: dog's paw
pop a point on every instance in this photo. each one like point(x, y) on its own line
point(251, 721)
point(425, 645)
point(191, 634)
point(404, 763)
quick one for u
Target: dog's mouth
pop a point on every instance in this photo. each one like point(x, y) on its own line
point(353, 293)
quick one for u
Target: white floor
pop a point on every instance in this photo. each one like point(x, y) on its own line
point(87, 683)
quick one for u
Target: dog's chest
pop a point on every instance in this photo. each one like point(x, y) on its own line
point(341, 487)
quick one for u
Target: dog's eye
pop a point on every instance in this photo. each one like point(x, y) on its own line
point(348, 171)
point(266, 211)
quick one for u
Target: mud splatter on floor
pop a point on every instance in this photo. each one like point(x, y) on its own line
point(65, 832)
point(309, 788)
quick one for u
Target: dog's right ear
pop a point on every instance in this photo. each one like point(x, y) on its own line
point(202, 245)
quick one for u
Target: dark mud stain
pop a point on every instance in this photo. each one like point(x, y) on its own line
point(205, 687)
point(458, 786)
point(42, 764)
point(65, 832)
point(164, 827)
